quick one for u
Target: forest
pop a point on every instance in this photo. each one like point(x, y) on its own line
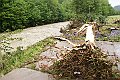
point(20, 14)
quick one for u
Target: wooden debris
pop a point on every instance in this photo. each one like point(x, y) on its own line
point(83, 63)
point(63, 39)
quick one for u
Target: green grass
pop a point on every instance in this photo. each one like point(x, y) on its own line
point(111, 19)
point(20, 57)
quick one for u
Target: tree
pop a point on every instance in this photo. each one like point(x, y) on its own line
point(16, 14)
point(91, 9)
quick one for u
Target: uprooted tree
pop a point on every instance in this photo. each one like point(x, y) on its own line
point(83, 62)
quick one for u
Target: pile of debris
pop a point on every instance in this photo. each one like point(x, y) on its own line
point(72, 25)
point(83, 63)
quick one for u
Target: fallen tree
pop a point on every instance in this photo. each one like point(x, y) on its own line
point(83, 63)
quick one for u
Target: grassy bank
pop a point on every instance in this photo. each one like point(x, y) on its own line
point(111, 19)
point(20, 57)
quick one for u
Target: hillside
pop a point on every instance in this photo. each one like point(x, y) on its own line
point(117, 7)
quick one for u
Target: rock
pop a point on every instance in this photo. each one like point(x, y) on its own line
point(112, 48)
point(26, 74)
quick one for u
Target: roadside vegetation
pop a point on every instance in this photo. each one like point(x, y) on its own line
point(21, 57)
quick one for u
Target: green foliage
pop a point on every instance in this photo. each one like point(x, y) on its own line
point(20, 57)
point(17, 14)
point(112, 19)
point(12, 15)
point(67, 9)
point(93, 9)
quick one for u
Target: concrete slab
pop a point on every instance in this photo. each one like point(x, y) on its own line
point(112, 48)
point(26, 74)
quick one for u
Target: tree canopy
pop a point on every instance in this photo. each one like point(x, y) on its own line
point(93, 8)
point(17, 14)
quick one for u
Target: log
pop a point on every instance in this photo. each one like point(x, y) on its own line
point(64, 39)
